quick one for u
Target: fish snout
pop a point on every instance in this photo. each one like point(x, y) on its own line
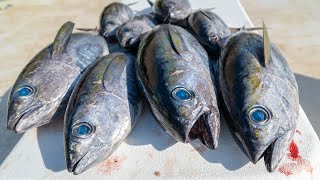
point(177, 14)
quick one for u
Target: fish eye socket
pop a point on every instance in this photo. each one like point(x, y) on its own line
point(259, 115)
point(25, 91)
point(82, 130)
point(126, 30)
point(182, 94)
point(111, 23)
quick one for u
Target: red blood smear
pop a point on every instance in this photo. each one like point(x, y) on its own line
point(297, 131)
point(294, 151)
point(298, 165)
point(111, 164)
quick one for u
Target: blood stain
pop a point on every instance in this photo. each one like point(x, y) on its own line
point(298, 164)
point(294, 151)
point(111, 164)
point(297, 131)
point(157, 173)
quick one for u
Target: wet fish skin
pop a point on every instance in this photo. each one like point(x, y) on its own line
point(113, 16)
point(253, 74)
point(129, 33)
point(169, 58)
point(171, 11)
point(209, 29)
point(46, 78)
point(108, 99)
point(150, 19)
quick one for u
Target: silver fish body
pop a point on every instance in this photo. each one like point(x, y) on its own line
point(113, 16)
point(260, 95)
point(209, 29)
point(102, 110)
point(129, 33)
point(171, 11)
point(150, 19)
point(174, 71)
point(41, 91)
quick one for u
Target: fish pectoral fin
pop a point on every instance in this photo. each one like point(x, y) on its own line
point(177, 41)
point(62, 38)
point(276, 151)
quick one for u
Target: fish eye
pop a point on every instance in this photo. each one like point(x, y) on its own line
point(126, 30)
point(182, 94)
point(111, 23)
point(82, 130)
point(259, 115)
point(25, 91)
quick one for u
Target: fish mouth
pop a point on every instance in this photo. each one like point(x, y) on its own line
point(127, 42)
point(203, 131)
point(254, 152)
point(177, 14)
point(75, 168)
point(12, 125)
point(85, 162)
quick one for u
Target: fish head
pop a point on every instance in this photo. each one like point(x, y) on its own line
point(39, 89)
point(180, 84)
point(261, 95)
point(94, 129)
point(190, 104)
point(172, 10)
point(82, 142)
point(130, 32)
point(210, 29)
point(112, 17)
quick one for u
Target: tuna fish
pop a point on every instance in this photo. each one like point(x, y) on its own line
point(260, 95)
point(41, 92)
point(174, 72)
point(171, 11)
point(129, 33)
point(102, 110)
point(209, 29)
point(113, 16)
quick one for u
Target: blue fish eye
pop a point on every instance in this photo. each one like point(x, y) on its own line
point(182, 94)
point(259, 115)
point(126, 30)
point(25, 91)
point(82, 130)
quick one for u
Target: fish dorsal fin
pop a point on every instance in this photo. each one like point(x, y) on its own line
point(130, 4)
point(177, 41)
point(62, 38)
point(266, 46)
point(151, 3)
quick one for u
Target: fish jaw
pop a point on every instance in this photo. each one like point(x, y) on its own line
point(277, 150)
point(80, 164)
point(177, 14)
point(22, 122)
point(206, 129)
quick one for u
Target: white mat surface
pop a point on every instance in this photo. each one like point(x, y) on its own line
point(150, 153)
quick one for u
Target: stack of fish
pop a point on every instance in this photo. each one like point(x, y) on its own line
point(188, 66)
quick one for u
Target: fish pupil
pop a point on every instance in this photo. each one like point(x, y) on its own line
point(83, 130)
point(259, 115)
point(183, 94)
point(25, 91)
